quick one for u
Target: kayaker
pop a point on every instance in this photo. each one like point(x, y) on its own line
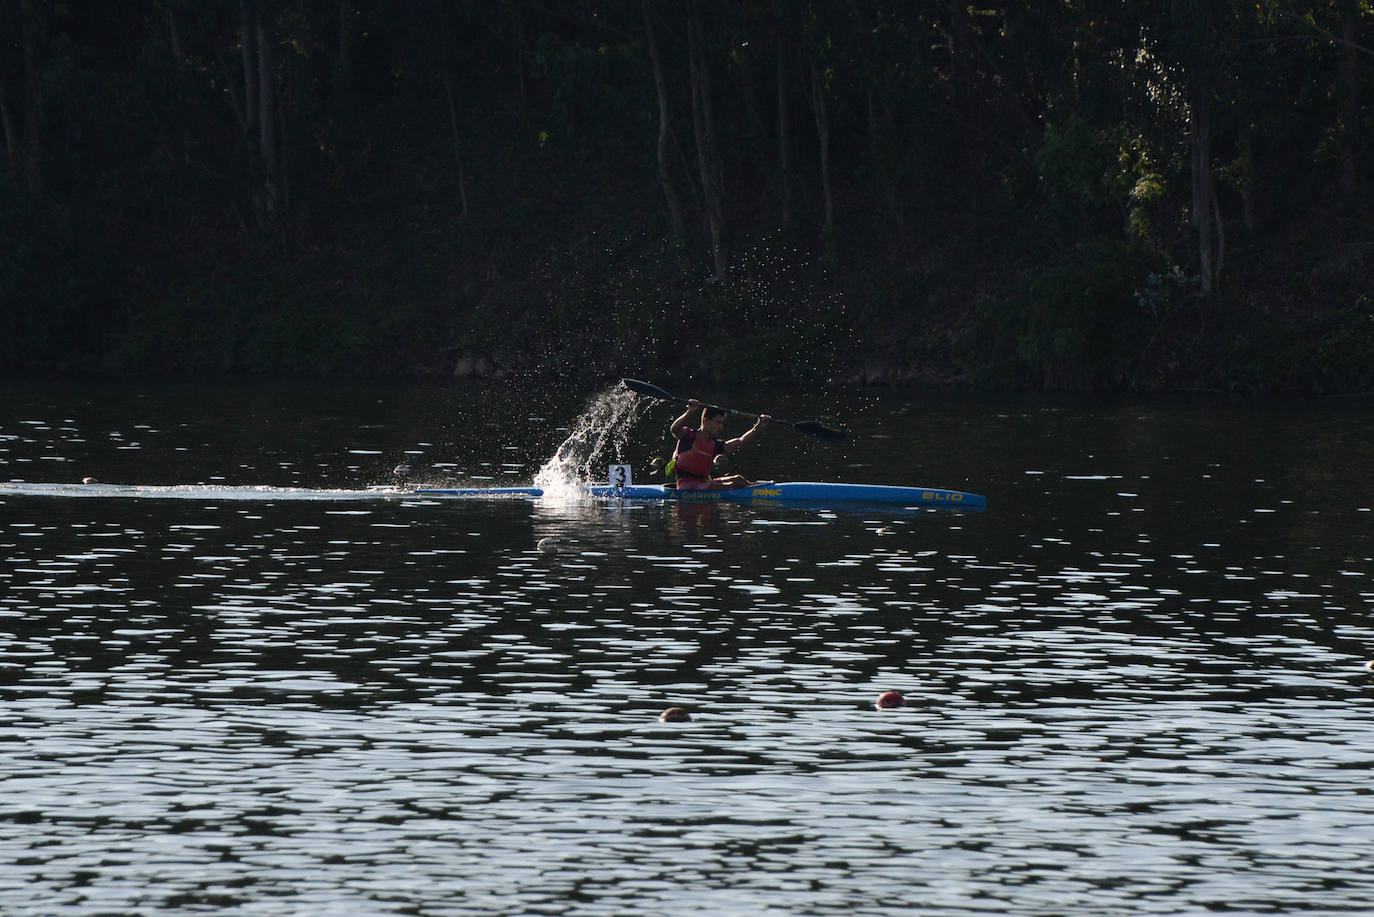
point(697, 448)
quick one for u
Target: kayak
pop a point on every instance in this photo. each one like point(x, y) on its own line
point(794, 492)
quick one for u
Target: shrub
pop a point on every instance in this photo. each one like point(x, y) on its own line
point(1076, 324)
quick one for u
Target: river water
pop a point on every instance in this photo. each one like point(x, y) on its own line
point(244, 674)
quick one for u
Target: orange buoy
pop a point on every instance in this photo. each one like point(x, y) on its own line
point(889, 699)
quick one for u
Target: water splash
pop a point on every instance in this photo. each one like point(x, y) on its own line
point(599, 436)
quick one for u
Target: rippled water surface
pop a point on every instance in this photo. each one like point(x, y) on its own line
point(247, 673)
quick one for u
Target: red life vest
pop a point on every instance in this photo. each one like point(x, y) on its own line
point(695, 460)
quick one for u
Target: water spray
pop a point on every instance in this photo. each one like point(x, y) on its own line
point(598, 435)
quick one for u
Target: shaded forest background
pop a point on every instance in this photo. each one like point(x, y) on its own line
point(1073, 195)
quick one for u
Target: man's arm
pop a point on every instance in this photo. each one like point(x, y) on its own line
point(753, 433)
point(684, 423)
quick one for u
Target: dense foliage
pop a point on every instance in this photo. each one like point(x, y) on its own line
point(1082, 194)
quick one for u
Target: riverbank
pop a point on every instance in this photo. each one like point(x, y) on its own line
point(950, 313)
point(567, 278)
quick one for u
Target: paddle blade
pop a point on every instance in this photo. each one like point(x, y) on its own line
point(645, 388)
point(821, 431)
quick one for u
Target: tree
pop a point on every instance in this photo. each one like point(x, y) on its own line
point(665, 121)
point(704, 127)
point(1195, 26)
point(784, 137)
point(21, 96)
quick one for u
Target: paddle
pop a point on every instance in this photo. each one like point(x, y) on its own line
point(814, 428)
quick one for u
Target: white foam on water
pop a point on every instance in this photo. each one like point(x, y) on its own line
point(598, 437)
point(258, 492)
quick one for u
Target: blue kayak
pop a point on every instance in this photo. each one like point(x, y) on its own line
point(811, 493)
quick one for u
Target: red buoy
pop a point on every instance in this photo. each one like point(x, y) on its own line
point(889, 699)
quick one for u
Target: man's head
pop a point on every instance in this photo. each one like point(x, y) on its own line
point(712, 421)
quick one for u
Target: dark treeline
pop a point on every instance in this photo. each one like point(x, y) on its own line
point(1082, 194)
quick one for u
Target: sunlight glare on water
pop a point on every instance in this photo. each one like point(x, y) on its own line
point(1135, 686)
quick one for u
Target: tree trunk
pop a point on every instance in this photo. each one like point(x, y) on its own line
point(453, 124)
point(344, 102)
point(751, 105)
point(174, 34)
point(1194, 24)
point(249, 41)
point(7, 120)
point(1349, 106)
point(518, 7)
point(704, 124)
point(231, 89)
point(268, 149)
point(1206, 213)
point(179, 87)
point(33, 103)
point(344, 68)
point(1249, 206)
point(822, 115)
point(784, 138)
point(293, 108)
point(664, 128)
point(882, 173)
point(961, 55)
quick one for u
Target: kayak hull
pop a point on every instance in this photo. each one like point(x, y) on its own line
point(815, 493)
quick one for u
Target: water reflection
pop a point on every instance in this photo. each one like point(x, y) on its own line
point(1134, 686)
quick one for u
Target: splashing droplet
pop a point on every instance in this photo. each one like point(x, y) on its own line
point(598, 435)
